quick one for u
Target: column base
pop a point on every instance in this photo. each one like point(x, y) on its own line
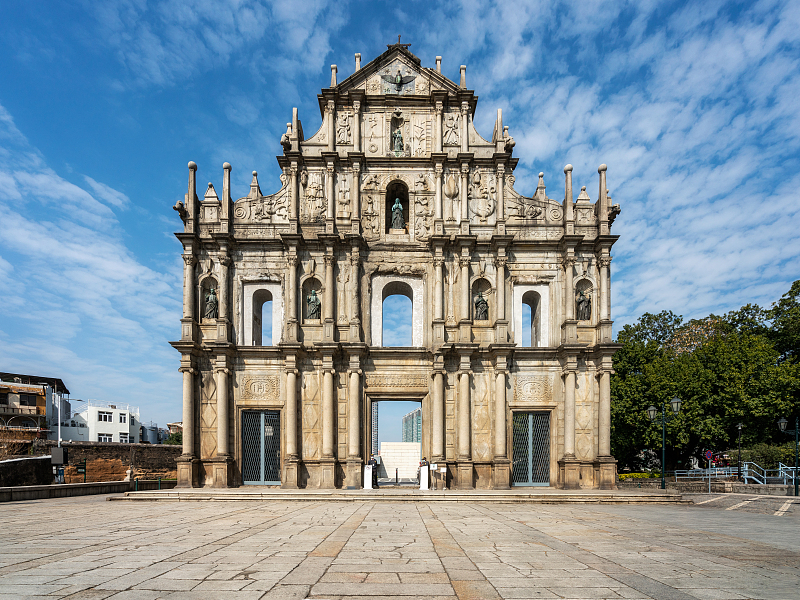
point(222, 472)
point(502, 474)
point(466, 479)
point(354, 473)
point(605, 473)
point(327, 480)
point(291, 472)
point(569, 473)
point(188, 472)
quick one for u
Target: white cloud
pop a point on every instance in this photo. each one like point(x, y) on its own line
point(77, 304)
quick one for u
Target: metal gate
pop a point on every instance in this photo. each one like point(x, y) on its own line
point(531, 456)
point(261, 447)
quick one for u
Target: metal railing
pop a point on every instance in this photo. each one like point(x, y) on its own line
point(751, 473)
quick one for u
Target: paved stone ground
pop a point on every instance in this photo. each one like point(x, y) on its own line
point(92, 549)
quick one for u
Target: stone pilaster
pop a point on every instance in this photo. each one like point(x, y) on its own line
point(502, 466)
point(464, 127)
point(189, 297)
point(465, 468)
point(221, 465)
point(354, 461)
point(357, 126)
point(188, 462)
point(291, 297)
point(569, 466)
point(437, 433)
point(291, 464)
point(605, 466)
point(328, 460)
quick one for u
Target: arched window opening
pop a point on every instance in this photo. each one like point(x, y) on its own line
point(209, 299)
point(397, 314)
point(396, 192)
point(481, 300)
point(584, 300)
point(262, 318)
point(530, 319)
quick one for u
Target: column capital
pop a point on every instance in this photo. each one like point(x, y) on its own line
point(464, 261)
point(328, 260)
point(501, 168)
point(356, 167)
point(225, 370)
point(356, 371)
point(291, 371)
point(357, 106)
point(464, 168)
point(438, 107)
point(500, 262)
point(330, 106)
point(438, 262)
point(191, 370)
point(604, 261)
point(224, 259)
point(189, 259)
point(464, 108)
point(568, 261)
point(292, 260)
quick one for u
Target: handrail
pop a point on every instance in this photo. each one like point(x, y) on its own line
point(751, 473)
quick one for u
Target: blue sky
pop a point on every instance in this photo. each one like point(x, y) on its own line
point(695, 107)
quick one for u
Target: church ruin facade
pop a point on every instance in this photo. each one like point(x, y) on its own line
point(396, 193)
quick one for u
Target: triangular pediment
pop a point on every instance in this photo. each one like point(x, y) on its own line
point(396, 72)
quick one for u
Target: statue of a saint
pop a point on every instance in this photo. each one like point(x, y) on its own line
point(584, 306)
point(212, 306)
point(481, 308)
point(313, 306)
point(398, 222)
point(397, 140)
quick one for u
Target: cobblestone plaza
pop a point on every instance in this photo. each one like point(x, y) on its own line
point(731, 546)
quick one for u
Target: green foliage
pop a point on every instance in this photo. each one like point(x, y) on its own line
point(624, 476)
point(726, 369)
point(766, 456)
point(174, 439)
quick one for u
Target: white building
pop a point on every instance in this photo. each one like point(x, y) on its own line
point(95, 421)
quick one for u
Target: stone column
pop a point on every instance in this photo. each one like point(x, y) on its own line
point(291, 298)
point(569, 208)
point(291, 413)
point(294, 192)
point(223, 421)
point(328, 416)
point(569, 414)
point(501, 178)
point(603, 201)
point(354, 410)
point(438, 289)
point(330, 192)
point(500, 310)
point(465, 311)
point(355, 299)
point(464, 417)
point(330, 117)
point(437, 199)
point(224, 295)
point(188, 286)
point(464, 127)
point(500, 414)
point(188, 406)
point(330, 292)
point(356, 127)
point(437, 437)
point(464, 199)
point(604, 414)
point(604, 263)
point(355, 193)
point(437, 127)
point(569, 288)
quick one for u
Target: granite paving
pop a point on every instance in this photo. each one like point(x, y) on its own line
point(87, 548)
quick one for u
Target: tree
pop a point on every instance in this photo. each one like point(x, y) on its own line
point(785, 330)
point(174, 439)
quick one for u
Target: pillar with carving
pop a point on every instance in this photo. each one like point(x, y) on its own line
point(294, 192)
point(570, 328)
point(330, 192)
point(501, 179)
point(291, 297)
point(187, 328)
point(224, 294)
point(330, 118)
point(355, 299)
point(355, 195)
point(464, 196)
point(437, 126)
point(330, 296)
point(465, 261)
point(501, 324)
point(438, 289)
point(464, 127)
point(437, 199)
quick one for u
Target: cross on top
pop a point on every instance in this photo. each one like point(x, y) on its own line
point(398, 44)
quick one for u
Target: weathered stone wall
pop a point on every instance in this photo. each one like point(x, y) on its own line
point(30, 470)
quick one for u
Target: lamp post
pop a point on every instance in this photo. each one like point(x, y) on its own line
point(652, 413)
point(739, 427)
point(795, 432)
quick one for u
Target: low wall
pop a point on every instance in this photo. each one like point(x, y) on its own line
point(717, 487)
point(26, 470)
point(66, 490)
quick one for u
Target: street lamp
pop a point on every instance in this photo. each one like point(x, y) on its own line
point(739, 427)
point(782, 423)
point(652, 413)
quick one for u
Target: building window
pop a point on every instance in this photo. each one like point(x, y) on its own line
point(123, 418)
point(3, 397)
point(123, 438)
point(27, 400)
point(105, 437)
point(105, 417)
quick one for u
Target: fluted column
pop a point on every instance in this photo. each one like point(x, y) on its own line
point(437, 127)
point(330, 293)
point(355, 300)
point(569, 209)
point(224, 284)
point(437, 199)
point(354, 416)
point(500, 415)
point(603, 201)
point(438, 416)
point(294, 192)
point(327, 414)
point(438, 289)
point(223, 421)
point(188, 406)
point(357, 126)
point(569, 288)
point(464, 416)
point(604, 414)
point(501, 179)
point(569, 414)
point(291, 298)
point(291, 413)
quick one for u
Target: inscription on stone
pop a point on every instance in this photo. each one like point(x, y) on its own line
point(260, 388)
point(533, 389)
point(393, 381)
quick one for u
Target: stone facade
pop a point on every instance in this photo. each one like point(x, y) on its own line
point(471, 253)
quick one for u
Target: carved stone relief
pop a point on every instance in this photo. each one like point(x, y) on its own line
point(265, 387)
point(378, 381)
point(257, 208)
point(481, 419)
point(534, 388)
point(482, 195)
point(343, 129)
point(312, 426)
point(451, 129)
point(314, 205)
